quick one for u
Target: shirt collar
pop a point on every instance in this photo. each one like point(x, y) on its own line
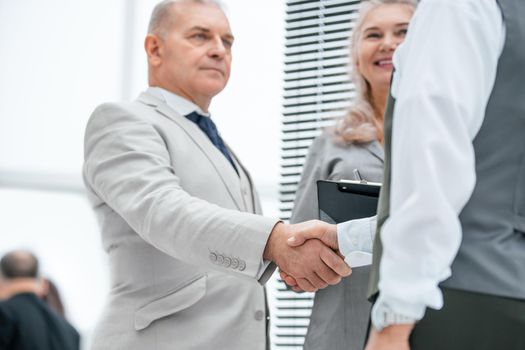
point(177, 103)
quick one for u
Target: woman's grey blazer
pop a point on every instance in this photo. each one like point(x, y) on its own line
point(340, 313)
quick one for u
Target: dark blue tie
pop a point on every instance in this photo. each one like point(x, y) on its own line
point(208, 127)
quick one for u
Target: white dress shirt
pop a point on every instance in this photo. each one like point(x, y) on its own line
point(445, 73)
point(177, 103)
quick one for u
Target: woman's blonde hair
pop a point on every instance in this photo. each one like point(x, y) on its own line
point(360, 124)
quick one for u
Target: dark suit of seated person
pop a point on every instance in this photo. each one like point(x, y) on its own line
point(26, 321)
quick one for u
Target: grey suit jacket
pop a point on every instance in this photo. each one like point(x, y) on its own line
point(179, 227)
point(340, 313)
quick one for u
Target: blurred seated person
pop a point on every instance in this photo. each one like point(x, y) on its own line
point(26, 321)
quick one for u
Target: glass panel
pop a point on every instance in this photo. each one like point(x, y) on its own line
point(59, 60)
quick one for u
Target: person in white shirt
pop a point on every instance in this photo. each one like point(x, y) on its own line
point(354, 142)
point(451, 219)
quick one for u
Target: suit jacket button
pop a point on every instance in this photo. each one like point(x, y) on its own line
point(259, 315)
point(242, 265)
point(220, 259)
point(235, 263)
point(227, 262)
point(213, 257)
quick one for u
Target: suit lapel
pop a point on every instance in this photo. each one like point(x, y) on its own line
point(376, 149)
point(246, 180)
point(223, 167)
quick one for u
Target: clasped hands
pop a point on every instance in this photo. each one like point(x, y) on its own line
point(307, 255)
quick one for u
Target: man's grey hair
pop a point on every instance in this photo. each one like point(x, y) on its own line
point(162, 19)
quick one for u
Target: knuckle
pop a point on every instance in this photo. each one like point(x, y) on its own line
point(325, 255)
point(320, 284)
point(333, 260)
point(346, 269)
point(335, 280)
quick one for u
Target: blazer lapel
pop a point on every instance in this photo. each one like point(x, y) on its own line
point(246, 180)
point(223, 167)
point(376, 149)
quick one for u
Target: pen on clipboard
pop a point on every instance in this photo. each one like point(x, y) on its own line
point(357, 176)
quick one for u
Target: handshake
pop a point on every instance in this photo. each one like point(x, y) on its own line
point(307, 255)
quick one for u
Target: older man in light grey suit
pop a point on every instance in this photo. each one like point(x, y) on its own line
point(178, 211)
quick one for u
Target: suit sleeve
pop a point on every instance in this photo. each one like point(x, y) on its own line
point(127, 165)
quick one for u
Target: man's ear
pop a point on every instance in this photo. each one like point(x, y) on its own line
point(154, 49)
point(3, 290)
point(43, 288)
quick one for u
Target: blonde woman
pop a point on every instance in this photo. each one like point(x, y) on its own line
point(340, 313)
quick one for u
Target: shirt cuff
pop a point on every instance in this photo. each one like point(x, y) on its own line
point(356, 239)
point(389, 312)
point(262, 269)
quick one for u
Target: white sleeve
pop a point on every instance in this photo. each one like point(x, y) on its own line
point(445, 72)
point(355, 239)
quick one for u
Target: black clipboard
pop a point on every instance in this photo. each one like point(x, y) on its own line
point(341, 201)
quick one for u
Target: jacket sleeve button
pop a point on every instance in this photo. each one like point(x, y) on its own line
point(235, 263)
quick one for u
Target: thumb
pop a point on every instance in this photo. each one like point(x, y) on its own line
point(297, 239)
point(302, 234)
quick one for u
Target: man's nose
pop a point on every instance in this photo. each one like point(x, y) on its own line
point(218, 49)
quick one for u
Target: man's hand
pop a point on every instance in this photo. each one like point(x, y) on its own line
point(290, 281)
point(394, 337)
point(312, 265)
point(326, 233)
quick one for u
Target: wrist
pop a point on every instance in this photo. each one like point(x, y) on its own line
point(384, 317)
point(397, 331)
point(391, 337)
point(278, 233)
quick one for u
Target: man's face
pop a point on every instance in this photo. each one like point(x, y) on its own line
point(195, 54)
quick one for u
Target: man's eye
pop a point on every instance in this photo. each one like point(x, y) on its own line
point(199, 36)
point(227, 43)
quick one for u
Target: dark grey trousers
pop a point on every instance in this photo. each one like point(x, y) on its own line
point(472, 321)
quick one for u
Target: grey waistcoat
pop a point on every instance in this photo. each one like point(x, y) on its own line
point(491, 258)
